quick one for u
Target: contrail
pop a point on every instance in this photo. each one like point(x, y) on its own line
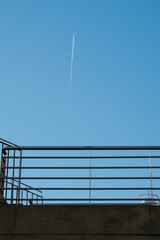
point(72, 56)
point(70, 82)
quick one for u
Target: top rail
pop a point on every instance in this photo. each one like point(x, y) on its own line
point(40, 148)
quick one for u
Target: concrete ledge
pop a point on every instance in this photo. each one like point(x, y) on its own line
point(7, 215)
point(155, 219)
point(67, 222)
point(127, 219)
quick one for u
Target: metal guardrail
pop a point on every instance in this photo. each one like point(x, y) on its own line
point(11, 191)
point(31, 195)
point(88, 175)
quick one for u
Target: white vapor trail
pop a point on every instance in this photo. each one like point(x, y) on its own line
point(72, 56)
point(70, 82)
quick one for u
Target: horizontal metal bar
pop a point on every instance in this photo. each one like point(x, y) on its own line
point(82, 157)
point(85, 199)
point(39, 148)
point(78, 178)
point(86, 189)
point(96, 167)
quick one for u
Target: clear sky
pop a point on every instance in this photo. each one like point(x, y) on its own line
point(116, 72)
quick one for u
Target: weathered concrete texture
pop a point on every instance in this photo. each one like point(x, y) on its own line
point(68, 222)
point(7, 215)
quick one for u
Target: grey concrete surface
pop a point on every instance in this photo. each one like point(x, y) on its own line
point(68, 222)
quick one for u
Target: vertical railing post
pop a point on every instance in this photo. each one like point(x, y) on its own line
point(26, 197)
point(90, 176)
point(19, 179)
point(151, 179)
point(2, 174)
point(6, 174)
point(13, 165)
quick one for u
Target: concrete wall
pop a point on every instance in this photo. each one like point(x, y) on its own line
point(77, 222)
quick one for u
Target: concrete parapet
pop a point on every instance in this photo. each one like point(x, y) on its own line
point(67, 222)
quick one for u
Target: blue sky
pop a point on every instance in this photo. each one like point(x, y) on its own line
point(116, 72)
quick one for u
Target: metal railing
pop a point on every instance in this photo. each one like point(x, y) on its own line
point(88, 175)
point(11, 191)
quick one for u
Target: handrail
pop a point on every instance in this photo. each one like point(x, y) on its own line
point(28, 189)
point(88, 174)
point(69, 148)
point(8, 143)
point(27, 186)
